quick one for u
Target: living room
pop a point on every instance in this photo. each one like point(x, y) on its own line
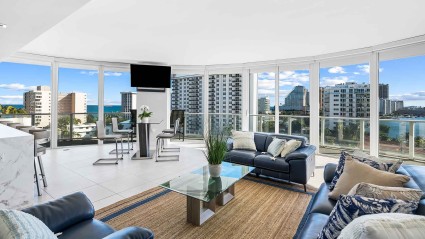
point(214, 119)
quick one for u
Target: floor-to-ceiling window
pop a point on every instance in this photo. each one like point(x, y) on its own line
point(402, 107)
point(119, 99)
point(225, 102)
point(25, 94)
point(344, 108)
point(294, 105)
point(186, 94)
point(262, 106)
point(77, 105)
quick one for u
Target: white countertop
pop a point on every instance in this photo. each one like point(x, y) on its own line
point(9, 132)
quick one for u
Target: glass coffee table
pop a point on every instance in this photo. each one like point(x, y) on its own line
point(204, 193)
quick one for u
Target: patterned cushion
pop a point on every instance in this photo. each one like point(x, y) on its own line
point(381, 192)
point(290, 147)
point(384, 165)
point(243, 140)
point(349, 208)
point(385, 226)
point(19, 225)
point(276, 146)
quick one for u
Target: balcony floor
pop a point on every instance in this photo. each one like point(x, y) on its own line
point(70, 170)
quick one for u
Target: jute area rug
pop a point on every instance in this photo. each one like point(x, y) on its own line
point(261, 209)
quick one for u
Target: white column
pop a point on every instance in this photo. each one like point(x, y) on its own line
point(276, 100)
point(411, 140)
point(253, 101)
point(245, 100)
point(100, 95)
point(374, 104)
point(205, 99)
point(54, 105)
point(314, 104)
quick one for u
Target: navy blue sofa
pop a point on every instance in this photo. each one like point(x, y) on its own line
point(322, 206)
point(296, 167)
point(73, 216)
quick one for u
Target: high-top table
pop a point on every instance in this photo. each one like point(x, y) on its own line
point(144, 139)
point(204, 192)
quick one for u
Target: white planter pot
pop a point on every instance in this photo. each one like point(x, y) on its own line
point(145, 120)
point(215, 170)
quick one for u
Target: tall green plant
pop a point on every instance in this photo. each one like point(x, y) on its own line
point(216, 148)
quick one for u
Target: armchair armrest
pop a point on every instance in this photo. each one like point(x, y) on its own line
point(131, 233)
point(329, 172)
point(229, 144)
point(301, 153)
point(63, 212)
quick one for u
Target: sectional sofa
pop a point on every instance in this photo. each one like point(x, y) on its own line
point(296, 167)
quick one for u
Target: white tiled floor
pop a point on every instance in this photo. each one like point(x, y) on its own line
point(70, 170)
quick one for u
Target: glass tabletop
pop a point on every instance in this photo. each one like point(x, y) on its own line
point(200, 185)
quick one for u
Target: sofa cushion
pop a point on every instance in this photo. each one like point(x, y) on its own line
point(276, 146)
point(245, 157)
point(380, 192)
point(243, 140)
point(92, 229)
point(266, 161)
point(321, 201)
point(290, 147)
point(302, 139)
point(20, 225)
point(313, 226)
point(260, 141)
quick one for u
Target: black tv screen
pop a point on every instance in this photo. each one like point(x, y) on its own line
point(150, 76)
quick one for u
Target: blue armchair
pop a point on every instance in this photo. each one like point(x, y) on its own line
point(73, 216)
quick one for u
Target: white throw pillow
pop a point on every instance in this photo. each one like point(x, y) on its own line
point(243, 140)
point(20, 225)
point(290, 147)
point(385, 226)
point(276, 146)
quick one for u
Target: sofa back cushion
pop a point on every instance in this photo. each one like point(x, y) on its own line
point(260, 141)
point(417, 181)
point(302, 139)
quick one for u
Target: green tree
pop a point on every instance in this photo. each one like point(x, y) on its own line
point(91, 118)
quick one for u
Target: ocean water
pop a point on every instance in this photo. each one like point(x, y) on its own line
point(90, 108)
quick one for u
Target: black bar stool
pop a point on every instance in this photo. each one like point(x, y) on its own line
point(41, 136)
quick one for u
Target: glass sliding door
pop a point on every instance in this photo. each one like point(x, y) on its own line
point(402, 107)
point(262, 95)
point(77, 106)
point(294, 102)
point(344, 108)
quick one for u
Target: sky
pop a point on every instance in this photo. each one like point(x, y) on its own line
point(15, 79)
point(406, 78)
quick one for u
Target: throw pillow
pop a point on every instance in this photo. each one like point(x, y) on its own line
point(349, 208)
point(19, 225)
point(290, 147)
point(385, 226)
point(380, 192)
point(276, 146)
point(384, 165)
point(243, 140)
point(356, 172)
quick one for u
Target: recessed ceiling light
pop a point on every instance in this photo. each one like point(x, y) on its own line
point(3, 25)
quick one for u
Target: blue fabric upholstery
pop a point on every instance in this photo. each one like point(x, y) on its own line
point(73, 215)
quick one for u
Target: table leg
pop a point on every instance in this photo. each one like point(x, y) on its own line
point(198, 211)
point(226, 196)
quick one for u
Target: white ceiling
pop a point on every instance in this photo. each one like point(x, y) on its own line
point(27, 19)
point(202, 32)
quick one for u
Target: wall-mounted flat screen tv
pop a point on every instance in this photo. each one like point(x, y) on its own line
point(150, 76)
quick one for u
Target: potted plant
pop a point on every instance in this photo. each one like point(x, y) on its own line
point(216, 149)
point(146, 114)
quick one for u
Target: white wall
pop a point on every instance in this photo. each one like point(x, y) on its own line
point(159, 104)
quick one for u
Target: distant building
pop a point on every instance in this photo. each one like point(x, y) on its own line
point(38, 102)
point(73, 103)
point(384, 91)
point(128, 102)
point(264, 105)
point(298, 99)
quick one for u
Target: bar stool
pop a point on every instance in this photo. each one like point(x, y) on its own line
point(122, 131)
point(13, 125)
point(173, 131)
point(41, 136)
point(160, 144)
point(100, 126)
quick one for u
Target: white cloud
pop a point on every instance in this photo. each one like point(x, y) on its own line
point(365, 69)
point(11, 97)
point(17, 86)
point(112, 102)
point(337, 70)
point(331, 81)
point(107, 73)
point(419, 95)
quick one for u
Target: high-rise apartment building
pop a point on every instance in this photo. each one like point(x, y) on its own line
point(264, 105)
point(387, 106)
point(186, 94)
point(128, 102)
point(384, 91)
point(297, 99)
point(347, 100)
point(225, 100)
point(38, 102)
point(73, 103)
